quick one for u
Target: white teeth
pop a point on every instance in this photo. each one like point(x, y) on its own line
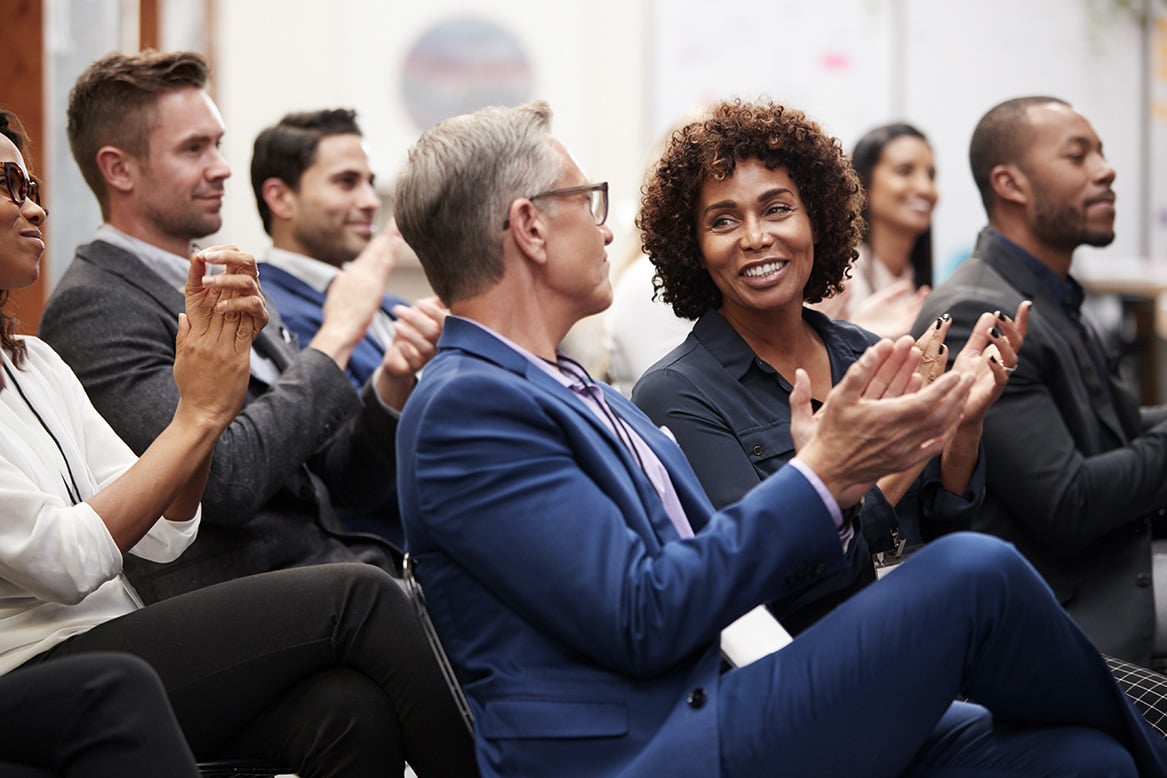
point(765, 269)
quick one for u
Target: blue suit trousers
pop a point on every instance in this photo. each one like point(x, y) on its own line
point(858, 692)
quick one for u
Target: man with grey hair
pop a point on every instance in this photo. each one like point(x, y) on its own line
point(1075, 468)
point(580, 579)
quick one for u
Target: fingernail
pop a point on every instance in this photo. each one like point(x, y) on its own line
point(992, 359)
point(994, 333)
point(1000, 316)
point(941, 319)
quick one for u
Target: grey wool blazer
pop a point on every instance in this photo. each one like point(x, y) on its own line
point(297, 444)
point(1076, 471)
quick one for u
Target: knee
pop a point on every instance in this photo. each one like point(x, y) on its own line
point(120, 677)
point(344, 721)
point(367, 589)
point(973, 557)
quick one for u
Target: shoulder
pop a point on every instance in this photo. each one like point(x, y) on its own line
point(272, 277)
point(682, 363)
point(41, 357)
point(838, 334)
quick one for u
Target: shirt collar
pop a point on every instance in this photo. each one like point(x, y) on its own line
point(312, 272)
point(1066, 291)
point(172, 268)
point(719, 337)
point(543, 365)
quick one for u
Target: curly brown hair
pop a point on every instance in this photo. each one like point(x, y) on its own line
point(709, 149)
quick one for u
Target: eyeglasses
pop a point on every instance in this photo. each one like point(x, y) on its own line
point(20, 186)
point(597, 200)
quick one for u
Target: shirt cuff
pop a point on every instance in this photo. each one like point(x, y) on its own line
point(832, 505)
point(384, 405)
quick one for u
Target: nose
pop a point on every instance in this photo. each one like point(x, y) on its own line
point(926, 186)
point(606, 231)
point(754, 237)
point(1105, 174)
point(218, 169)
point(367, 199)
point(33, 212)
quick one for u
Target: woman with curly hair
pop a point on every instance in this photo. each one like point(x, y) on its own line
point(751, 213)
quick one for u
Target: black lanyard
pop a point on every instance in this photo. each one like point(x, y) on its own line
point(70, 484)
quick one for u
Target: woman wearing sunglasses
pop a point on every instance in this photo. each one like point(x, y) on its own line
point(323, 669)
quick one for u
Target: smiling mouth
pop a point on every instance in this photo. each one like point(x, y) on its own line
point(765, 269)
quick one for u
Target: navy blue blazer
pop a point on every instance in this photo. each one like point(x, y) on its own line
point(584, 630)
point(302, 309)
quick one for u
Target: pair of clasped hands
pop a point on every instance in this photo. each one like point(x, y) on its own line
point(229, 304)
point(897, 407)
point(225, 312)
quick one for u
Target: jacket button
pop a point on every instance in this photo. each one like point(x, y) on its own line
point(1143, 579)
point(819, 567)
point(757, 449)
point(696, 698)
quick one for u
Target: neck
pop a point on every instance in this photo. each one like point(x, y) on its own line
point(777, 336)
point(892, 246)
point(285, 239)
point(1055, 258)
point(147, 232)
point(541, 335)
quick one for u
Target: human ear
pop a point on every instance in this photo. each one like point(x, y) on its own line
point(279, 197)
point(118, 168)
point(529, 230)
point(1009, 184)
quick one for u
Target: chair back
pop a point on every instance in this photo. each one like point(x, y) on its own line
point(417, 597)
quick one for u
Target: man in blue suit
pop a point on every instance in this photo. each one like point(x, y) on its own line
point(580, 579)
point(314, 189)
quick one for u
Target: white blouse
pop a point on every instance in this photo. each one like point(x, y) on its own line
point(60, 570)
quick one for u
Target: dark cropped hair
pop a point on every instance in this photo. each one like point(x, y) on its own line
point(1001, 138)
point(11, 128)
point(286, 149)
point(864, 158)
point(115, 103)
point(710, 149)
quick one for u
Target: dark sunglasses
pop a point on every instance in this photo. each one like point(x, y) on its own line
point(20, 186)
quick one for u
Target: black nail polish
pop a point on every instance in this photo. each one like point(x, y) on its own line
point(996, 333)
point(1000, 316)
point(992, 358)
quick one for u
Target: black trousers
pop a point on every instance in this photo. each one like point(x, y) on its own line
point(322, 668)
point(94, 716)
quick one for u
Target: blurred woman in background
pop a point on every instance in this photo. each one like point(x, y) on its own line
point(893, 274)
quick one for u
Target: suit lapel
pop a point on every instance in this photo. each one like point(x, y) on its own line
point(469, 338)
point(134, 272)
point(137, 274)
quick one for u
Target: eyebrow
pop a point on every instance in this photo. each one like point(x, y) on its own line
point(769, 194)
point(198, 137)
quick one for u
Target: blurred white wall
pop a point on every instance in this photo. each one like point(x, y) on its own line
point(617, 72)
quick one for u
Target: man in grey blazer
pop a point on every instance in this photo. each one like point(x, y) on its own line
point(145, 134)
point(1076, 470)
